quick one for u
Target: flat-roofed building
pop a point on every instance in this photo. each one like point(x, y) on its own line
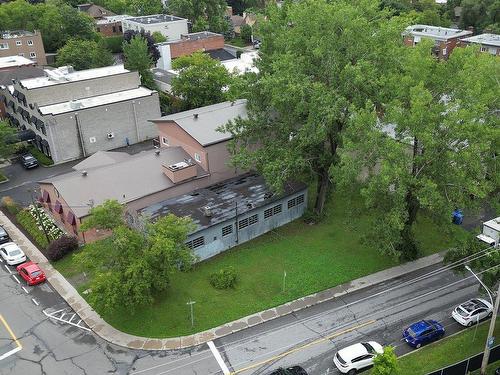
point(171, 27)
point(445, 39)
point(489, 43)
point(111, 26)
point(23, 43)
point(77, 113)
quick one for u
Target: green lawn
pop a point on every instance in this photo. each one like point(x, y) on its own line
point(315, 257)
point(238, 42)
point(447, 351)
point(2, 177)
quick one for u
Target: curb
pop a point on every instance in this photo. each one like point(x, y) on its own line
point(104, 330)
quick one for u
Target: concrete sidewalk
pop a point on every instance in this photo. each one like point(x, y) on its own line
point(109, 333)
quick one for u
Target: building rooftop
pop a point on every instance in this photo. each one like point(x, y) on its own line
point(156, 18)
point(14, 61)
point(247, 191)
point(486, 39)
point(436, 32)
point(95, 11)
point(164, 76)
point(245, 64)
point(66, 74)
point(95, 101)
point(11, 34)
point(112, 19)
point(125, 179)
point(220, 54)
point(200, 35)
point(202, 123)
point(20, 73)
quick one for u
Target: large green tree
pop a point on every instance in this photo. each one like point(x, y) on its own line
point(7, 138)
point(481, 14)
point(320, 62)
point(201, 80)
point(137, 57)
point(109, 215)
point(441, 152)
point(385, 363)
point(204, 14)
point(84, 54)
point(131, 267)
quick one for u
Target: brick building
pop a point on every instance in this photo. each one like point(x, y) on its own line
point(23, 43)
point(445, 39)
point(193, 155)
point(77, 113)
point(111, 26)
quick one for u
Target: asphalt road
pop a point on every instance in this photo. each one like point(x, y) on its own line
point(308, 338)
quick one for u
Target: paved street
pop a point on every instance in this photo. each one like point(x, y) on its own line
point(309, 337)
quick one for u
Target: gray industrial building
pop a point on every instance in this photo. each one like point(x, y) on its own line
point(77, 113)
point(232, 212)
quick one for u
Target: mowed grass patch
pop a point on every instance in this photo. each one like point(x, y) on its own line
point(315, 257)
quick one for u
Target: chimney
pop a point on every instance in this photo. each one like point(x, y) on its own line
point(180, 171)
point(207, 212)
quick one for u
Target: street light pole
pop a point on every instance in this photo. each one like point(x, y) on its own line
point(486, 354)
point(191, 303)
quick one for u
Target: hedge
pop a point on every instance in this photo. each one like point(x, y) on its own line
point(29, 224)
point(114, 43)
point(40, 156)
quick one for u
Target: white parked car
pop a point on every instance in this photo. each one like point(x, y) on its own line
point(12, 254)
point(356, 357)
point(472, 311)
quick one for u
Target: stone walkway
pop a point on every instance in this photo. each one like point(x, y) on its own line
point(109, 333)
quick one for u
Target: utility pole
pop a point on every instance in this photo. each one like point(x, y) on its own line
point(490, 338)
point(191, 303)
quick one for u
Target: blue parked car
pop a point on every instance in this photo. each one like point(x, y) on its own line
point(423, 332)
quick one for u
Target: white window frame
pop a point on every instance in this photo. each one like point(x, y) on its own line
point(164, 140)
point(30, 42)
point(4, 45)
point(197, 157)
point(33, 55)
point(19, 42)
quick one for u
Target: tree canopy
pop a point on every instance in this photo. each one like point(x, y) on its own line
point(386, 363)
point(310, 85)
point(108, 215)
point(441, 150)
point(204, 14)
point(153, 51)
point(84, 54)
point(481, 14)
point(137, 57)
point(57, 21)
point(201, 80)
point(7, 135)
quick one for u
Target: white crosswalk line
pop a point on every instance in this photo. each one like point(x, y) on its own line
point(218, 358)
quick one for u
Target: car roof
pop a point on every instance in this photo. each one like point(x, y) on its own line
point(472, 305)
point(31, 267)
point(10, 246)
point(353, 351)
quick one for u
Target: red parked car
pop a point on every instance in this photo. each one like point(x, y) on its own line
point(30, 272)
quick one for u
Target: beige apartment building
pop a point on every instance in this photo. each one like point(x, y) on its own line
point(23, 43)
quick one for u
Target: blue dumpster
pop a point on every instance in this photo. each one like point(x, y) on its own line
point(457, 217)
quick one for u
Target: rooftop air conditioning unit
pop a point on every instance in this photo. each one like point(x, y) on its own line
point(207, 211)
point(111, 135)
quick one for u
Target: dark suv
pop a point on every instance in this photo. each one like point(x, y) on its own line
point(295, 370)
point(4, 236)
point(28, 161)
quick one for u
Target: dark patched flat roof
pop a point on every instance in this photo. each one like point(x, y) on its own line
point(248, 191)
point(163, 75)
point(220, 54)
point(23, 72)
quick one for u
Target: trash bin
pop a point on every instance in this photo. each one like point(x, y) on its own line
point(457, 217)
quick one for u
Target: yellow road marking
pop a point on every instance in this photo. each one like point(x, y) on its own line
point(326, 338)
point(11, 333)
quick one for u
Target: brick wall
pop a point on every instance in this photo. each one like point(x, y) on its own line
point(110, 29)
point(29, 46)
point(187, 47)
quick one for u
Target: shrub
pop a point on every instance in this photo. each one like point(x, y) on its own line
point(27, 221)
point(114, 43)
point(57, 249)
point(40, 156)
point(223, 279)
point(10, 205)
point(246, 33)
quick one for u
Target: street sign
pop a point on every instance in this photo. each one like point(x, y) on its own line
point(491, 342)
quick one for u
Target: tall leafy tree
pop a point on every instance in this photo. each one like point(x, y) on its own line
point(202, 13)
point(84, 54)
point(7, 138)
point(108, 215)
point(144, 7)
point(320, 61)
point(201, 80)
point(481, 14)
point(137, 57)
point(385, 363)
point(150, 40)
point(442, 150)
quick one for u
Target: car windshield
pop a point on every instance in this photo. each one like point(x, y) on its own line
point(341, 360)
point(368, 347)
point(35, 273)
point(462, 312)
point(14, 252)
point(411, 332)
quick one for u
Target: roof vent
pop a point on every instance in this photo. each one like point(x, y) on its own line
point(195, 115)
point(157, 152)
point(84, 173)
point(207, 211)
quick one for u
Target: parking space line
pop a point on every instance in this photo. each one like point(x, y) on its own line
point(15, 278)
point(14, 338)
point(218, 358)
point(35, 302)
point(26, 290)
point(7, 267)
